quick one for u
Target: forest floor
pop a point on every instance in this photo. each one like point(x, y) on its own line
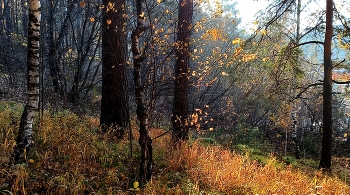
point(72, 156)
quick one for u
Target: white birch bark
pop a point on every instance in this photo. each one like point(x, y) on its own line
point(24, 137)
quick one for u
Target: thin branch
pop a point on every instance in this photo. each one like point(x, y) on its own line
point(309, 42)
point(339, 63)
point(304, 90)
point(161, 135)
point(341, 82)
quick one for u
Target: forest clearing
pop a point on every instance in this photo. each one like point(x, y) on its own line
point(174, 97)
point(71, 156)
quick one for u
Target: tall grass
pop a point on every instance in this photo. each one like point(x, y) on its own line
point(71, 156)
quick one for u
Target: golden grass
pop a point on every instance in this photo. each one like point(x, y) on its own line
point(225, 172)
point(71, 156)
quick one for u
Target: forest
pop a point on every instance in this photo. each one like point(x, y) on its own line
point(174, 97)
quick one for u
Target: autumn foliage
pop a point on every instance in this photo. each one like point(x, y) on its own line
point(72, 156)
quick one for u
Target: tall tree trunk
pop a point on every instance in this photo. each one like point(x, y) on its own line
point(14, 17)
point(2, 19)
point(180, 102)
point(145, 140)
point(55, 72)
point(7, 14)
point(326, 153)
point(294, 108)
point(24, 137)
point(24, 18)
point(114, 105)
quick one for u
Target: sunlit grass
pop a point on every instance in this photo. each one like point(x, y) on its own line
point(72, 156)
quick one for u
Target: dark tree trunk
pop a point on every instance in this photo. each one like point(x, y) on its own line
point(180, 102)
point(2, 20)
point(53, 55)
point(326, 155)
point(145, 140)
point(114, 105)
point(24, 137)
point(24, 18)
point(7, 14)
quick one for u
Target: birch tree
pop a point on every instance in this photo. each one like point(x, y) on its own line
point(145, 140)
point(24, 137)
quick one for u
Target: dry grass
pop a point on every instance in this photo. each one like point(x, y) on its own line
point(71, 156)
point(216, 170)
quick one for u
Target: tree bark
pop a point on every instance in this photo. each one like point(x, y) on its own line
point(55, 71)
point(294, 108)
point(24, 19)
point(145, 140)
point(326, 154)
point(2, 20)
point(180, 102)
point(114, 105)
point(24, 137)
point(7, 15)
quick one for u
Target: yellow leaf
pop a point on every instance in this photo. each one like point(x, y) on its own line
point(263, 31)
point(38, 164)
point(265, 59)
point(92, 19)
point(236, 41)
point(136, 184)
point(31, 160)
point(345, 135)
point(110, 6)
point(142, 14)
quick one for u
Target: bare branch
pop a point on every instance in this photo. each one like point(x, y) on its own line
point(339, 63)
point(304, 90)
point(341, 82)
point(309, 42)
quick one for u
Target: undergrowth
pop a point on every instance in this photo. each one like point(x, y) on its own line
point(72, 156)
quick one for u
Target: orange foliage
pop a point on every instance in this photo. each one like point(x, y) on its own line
point(218, 170)
point(213, 34)
point(341, 77)
point(82, 4)
point(71, 156)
